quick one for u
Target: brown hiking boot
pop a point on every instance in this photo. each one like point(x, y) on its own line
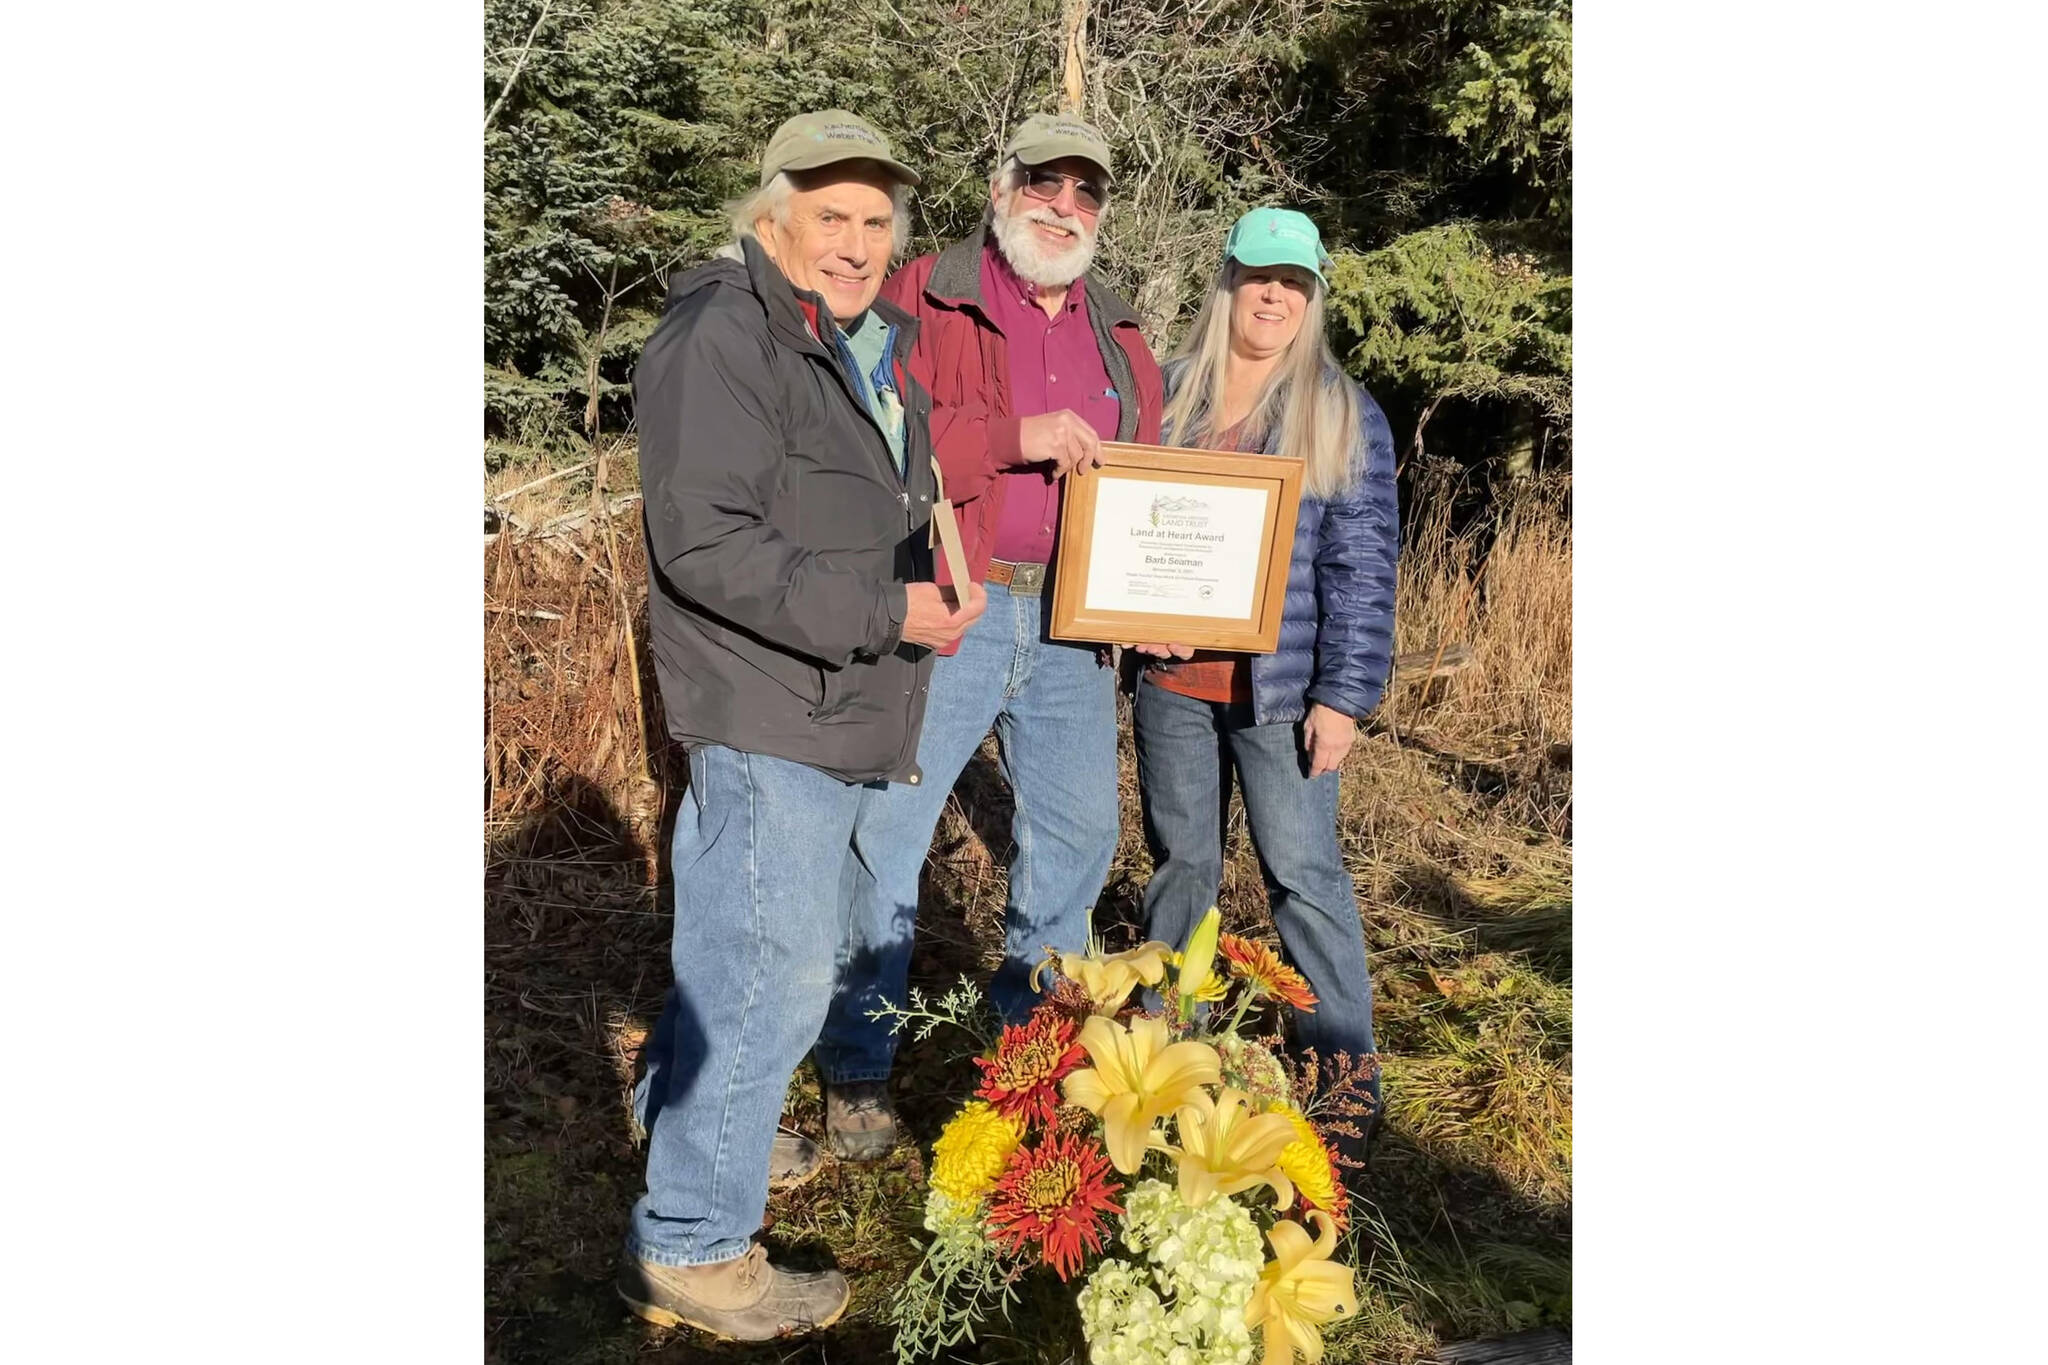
point(859, 1123)
point(743, 1300)
point(792, 1160)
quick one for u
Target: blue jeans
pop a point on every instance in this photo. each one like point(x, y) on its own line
point(1187, 749)
point(766, 868)
point(1053, 706)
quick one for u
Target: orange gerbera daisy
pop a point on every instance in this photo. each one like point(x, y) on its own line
point(1022, 1081)
point(1253, 962)
point(1054, 1196)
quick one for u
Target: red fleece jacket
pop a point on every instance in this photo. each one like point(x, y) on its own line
point(962, 360)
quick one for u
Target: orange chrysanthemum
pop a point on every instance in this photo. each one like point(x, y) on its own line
point(1254, 962)
point(1054, 1196)
point(1022, 1081)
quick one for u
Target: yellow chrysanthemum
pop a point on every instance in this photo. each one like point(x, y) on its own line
point(973, 1150)
point(1307, 1164)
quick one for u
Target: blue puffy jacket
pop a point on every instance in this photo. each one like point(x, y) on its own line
point(1337, 629)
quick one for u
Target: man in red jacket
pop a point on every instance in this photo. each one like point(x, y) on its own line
point(1030, 365)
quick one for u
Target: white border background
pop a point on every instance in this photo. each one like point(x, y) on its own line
point(1807, 754)
point(243, 990)
point(242, 987)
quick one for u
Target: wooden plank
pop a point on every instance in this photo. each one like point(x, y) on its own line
point(1424, 664)
point(1547, 1346)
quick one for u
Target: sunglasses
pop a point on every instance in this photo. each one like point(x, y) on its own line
point(1046, 185)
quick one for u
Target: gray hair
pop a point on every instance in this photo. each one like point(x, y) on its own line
point(1008, 176)
point(772, 201)
point(1307, 394)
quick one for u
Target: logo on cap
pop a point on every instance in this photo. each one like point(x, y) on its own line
point(846, 130)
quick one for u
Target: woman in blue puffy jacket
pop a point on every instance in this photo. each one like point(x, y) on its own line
point(1256, 374)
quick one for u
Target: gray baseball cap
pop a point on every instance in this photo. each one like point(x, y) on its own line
point(809, 141)
point(1048, 137)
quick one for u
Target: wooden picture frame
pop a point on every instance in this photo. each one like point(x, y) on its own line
point(1171, 526)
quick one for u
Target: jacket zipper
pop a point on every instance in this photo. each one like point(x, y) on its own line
point(906, 757)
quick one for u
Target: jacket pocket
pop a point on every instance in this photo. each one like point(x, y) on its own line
point(798, 676)
point(833, 690)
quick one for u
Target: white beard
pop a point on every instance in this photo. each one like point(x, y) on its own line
point(1026, 251)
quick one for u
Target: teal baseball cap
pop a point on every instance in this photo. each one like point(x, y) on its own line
point(1278, 237)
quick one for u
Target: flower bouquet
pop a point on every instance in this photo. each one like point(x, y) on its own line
point(1149, 1158)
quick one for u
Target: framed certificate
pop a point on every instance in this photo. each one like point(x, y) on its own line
point(1169, 546)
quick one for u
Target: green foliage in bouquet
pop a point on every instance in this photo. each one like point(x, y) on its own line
point(960, 1282)
point(1140, 1156)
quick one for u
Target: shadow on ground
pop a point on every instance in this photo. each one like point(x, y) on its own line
point(576, 963)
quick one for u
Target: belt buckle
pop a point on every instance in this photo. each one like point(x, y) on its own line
point(1027, 580)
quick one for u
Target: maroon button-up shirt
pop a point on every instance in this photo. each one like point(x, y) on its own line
point(1054, 364)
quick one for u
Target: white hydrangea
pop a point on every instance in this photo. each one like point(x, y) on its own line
point(1121, 1317)
point(1185, 1305)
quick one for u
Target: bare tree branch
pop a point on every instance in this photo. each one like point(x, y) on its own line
point(517, 66)
point(1074, 91)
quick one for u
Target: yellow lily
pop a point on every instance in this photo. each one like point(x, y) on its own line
point(1300, 1289)
point(1197, 961)
point(1227, 1149)
point(1110, 980)
point(1137, 1080)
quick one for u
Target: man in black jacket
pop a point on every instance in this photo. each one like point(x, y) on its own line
point(786, 461)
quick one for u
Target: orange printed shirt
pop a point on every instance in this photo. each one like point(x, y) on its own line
point(1217, 675)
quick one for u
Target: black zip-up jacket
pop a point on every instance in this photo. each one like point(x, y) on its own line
point(779, 534)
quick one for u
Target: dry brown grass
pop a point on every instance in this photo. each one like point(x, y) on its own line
point(1502, 586)
point(563, 718)
point(1457, 818)
point(534, 495)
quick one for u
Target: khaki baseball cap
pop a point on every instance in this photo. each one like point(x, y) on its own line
point(1048, 137)
point(809, 141)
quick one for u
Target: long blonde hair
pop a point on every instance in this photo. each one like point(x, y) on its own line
point(1307, 393)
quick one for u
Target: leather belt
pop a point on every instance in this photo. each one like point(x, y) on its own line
point(1023, 580)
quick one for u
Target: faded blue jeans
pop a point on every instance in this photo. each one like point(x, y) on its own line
point(1187, 750)
point(1053, 706)
point(767, 865)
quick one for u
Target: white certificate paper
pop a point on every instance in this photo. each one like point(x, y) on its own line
point(1182, 549)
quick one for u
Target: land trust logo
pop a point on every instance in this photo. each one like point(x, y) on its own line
point(1185, 514)
point(847, 132)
